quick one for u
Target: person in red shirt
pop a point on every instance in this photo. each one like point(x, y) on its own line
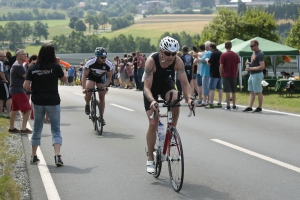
point(229, 63)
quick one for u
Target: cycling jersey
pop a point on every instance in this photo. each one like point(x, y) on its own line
point(98, 70)
point(162, 80)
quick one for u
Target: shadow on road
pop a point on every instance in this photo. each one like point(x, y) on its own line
point(115, 135)
point(70, 169)
point(193, 191)
point(72, 109)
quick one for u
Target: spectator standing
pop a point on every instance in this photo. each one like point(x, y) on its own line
point(199, 76)
point(256, 67)
point(4, 86)
point(188, 62)
point(80, 71)
point(205, 72)
point(140, 69)
point(44, 87)
point(71, 72)
point(116, 73)
point(122, 73)
point(19, 98)
point(135, 74)
point(229, 63)
point(215, 80)
point(12, 60)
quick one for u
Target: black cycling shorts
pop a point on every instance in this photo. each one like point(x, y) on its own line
point(162, 90)
point(4, 91)
point(100, 79)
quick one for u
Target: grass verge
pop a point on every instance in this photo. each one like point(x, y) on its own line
point(9, 189)
point(271, 101)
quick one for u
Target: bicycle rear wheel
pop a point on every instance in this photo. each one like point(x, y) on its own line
point(175, 160)
point(99, 118)
point(93, 114)
point(157, 159)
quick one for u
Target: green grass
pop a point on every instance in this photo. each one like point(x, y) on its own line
point(9, 189)
point(271, 101)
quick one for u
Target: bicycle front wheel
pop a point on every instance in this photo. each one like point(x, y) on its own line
point(99, 118)
point(93, 113)
point(175, 160)
point(157, 159)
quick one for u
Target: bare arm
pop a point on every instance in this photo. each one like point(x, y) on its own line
point(148, 79)
point(2, 75)
point(63, 79)
point(257, 68)
point(84, 75)
point(221, 69)
point(108, 80)
point(26, 85)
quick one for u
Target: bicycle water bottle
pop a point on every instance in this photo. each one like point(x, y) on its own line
point(161, 138)
point(247, 63)
point(161, 134)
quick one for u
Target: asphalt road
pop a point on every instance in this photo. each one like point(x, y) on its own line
point(227, 154)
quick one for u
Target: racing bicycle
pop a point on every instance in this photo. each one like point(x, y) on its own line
point(172, 150)
point(96, 114)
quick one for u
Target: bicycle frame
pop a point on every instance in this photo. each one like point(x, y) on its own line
point(169, 134)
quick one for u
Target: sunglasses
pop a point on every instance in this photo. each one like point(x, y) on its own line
point(252, 46)
point(102, 57)
point(170, 54)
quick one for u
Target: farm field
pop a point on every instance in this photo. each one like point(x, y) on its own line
point(153, 27)
point(150, 27)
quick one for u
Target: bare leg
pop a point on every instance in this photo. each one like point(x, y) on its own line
point(13, 115)
point(260, 99)
point(211, 96)
point(220, 92)
point(33, 150)
point(57, 149)
point(252, 98)
point(151, 134)
point(25, 119)
point(228, 99)
point(233, 99)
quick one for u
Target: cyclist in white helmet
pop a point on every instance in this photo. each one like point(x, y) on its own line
point(160, 67)
point(95, 70)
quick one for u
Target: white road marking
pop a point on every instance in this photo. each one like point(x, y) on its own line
point(252, 153)
point(121, 107)
point(272, 111)
point(79, 94)
point(48, 182)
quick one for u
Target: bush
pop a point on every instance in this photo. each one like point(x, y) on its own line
point(206, 10)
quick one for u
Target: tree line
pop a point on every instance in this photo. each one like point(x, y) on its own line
point(100, 20)
point(77, 42)
point(31, 15)
point(15, 33)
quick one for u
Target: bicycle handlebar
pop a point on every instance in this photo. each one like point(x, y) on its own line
point(169, 104)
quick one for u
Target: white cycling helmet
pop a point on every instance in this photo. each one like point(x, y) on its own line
point(169, 44)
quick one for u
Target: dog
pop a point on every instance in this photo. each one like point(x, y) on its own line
point(287, 74)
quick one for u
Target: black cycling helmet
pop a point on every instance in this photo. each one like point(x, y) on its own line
point(100, 51)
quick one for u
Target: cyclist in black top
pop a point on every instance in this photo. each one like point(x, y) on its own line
point(95, 70)
point(159, 68)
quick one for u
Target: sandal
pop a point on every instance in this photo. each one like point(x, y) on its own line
point(26, 131)
point(14, 130)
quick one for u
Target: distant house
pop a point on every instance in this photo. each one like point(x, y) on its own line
point(234, 4)
point(81, 4)
point(143, 7)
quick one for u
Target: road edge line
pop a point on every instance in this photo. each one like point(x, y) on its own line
point(252, 153)
point(48, 182)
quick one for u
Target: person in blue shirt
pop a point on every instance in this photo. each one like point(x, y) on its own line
point(205, 72)
point(71, 72)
